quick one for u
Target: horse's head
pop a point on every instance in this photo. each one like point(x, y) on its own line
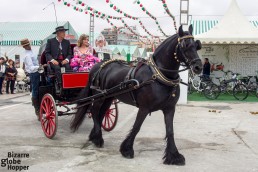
point(187, 50)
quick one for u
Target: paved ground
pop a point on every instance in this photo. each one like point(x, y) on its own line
point(225, 140)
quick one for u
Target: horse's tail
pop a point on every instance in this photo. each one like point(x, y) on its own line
point(81, 111)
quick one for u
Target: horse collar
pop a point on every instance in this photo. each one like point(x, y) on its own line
point(157, 74)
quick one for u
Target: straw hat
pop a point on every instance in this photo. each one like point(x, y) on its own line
point(25, 42)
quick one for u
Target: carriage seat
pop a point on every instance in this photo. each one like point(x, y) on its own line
point(47, 69)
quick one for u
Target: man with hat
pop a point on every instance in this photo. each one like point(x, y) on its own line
point(31, 66)
point(58, 52)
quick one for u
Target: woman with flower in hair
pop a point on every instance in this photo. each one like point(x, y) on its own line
point(83, 59)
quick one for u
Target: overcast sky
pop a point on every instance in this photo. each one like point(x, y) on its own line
point(32, 10)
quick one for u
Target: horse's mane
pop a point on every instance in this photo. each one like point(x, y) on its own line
point(165, 48)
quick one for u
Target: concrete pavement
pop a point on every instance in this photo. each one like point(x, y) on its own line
point(225, 140)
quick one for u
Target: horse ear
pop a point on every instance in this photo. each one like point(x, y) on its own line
point(180, 31)
point(190, 29)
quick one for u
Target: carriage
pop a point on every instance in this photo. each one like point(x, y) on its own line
point(54, 104)
point(151, 86)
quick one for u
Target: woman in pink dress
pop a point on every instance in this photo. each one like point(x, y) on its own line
point(83, 59)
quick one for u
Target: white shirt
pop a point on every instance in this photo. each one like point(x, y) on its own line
point(2, 68)
point(31, 62)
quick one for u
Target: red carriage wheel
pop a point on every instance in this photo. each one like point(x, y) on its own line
point(48, 116)
point(110, 118)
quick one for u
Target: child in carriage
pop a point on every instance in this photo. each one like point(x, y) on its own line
point(83, 59)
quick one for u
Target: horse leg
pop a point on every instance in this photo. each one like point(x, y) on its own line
point(98, 115)
point(126, 147)
point(105, 106)
point(172, 156)
point(96, 133)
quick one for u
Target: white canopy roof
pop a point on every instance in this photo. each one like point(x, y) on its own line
point(233, 28)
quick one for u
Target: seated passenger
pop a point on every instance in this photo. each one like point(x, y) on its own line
point(83, 59)
point(58, 53)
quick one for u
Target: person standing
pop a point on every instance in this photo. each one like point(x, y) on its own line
point(31, 66)
point(11, 73)
point(58, 52)
point(206, 69)
point(2, 73)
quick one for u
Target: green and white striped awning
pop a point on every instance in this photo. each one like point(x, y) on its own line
point(12, 32)
point(17, 42)
point(255, 23)
point(202, 26)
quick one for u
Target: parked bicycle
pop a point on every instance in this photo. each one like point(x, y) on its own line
point(234, 86)
point(251, 83)
point(202, 85)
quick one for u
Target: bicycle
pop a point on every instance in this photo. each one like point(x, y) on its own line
point(239, 90)
point(251, 83)
point(227, 75)
point(203, 85)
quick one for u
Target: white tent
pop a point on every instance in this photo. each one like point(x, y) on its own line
point(143, 52)
point(121, 50)
point(234, 28)
point(114, 49)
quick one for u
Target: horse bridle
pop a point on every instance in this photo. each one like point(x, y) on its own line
point(157, 70)
point(179, 48)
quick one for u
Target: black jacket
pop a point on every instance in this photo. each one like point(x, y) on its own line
point(206, 69)
point(52, 49)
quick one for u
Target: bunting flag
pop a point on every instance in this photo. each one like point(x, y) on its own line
point(93, 12)
point(114, 7)
point(151, 16)
point(165, 6)
point(131, 30)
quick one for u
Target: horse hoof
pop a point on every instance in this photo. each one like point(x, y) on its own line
point(174, 159)
point(128, 154)
point(98, 143)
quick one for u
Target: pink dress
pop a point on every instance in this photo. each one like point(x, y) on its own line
point(83, 62)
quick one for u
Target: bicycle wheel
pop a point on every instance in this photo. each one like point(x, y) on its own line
point(256, 93)
point(240, 92)
point(229, 87)
point(211, 91)
point(252, 88)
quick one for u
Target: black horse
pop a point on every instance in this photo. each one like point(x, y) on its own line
point(161, 94)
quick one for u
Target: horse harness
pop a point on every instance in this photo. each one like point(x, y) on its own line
point(156, 76)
